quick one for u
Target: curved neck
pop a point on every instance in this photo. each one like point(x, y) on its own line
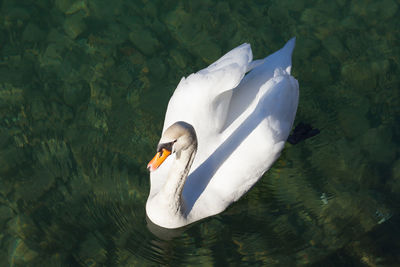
point(171, 193)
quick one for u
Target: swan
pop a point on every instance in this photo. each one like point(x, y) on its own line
point(224, 127)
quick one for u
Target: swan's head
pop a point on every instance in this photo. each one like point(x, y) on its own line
point(178, 137)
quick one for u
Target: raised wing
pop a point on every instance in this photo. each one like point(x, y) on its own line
point(203, 98)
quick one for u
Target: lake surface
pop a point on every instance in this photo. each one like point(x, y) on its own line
point(83, 90)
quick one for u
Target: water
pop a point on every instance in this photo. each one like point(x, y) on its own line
point(83, 90)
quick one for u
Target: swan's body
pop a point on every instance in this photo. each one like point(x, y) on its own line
point(224, 130)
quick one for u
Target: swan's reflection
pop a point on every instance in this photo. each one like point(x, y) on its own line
point(164, 233)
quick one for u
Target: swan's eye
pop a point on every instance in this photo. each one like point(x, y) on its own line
point(166, 146)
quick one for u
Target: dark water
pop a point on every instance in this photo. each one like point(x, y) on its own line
point(83, 90)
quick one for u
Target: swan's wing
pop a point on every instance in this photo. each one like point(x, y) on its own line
point(261, 71)
point(202, 99)
point(260, 139)
point(249, 151)
point(253, 140)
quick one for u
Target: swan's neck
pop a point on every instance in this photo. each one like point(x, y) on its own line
point(169, 200)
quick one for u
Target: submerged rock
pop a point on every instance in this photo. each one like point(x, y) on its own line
point(394, 181)
point(21, 254)
point(33, 33)
point(144, 40)
point(38, 111)
point(352, 123)
point(396, 171)
point(377, 142)
point(74, 25)
point(76, 93)
point(374, 11)
point(359, 74)
point(321, 71)
point(6, 213)
point(207, 50)
point(9, 158)
point(92, 251)
point(178, 58)
point(334, 46)
point(52, 56)
point(71, 6)
point(157, 67)
point(10, 95)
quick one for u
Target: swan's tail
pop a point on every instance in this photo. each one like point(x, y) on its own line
point(280, 59)
point(287, 52)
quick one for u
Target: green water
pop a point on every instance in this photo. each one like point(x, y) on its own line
point(83, 90)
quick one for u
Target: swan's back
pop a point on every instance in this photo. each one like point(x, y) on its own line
point(259, 118)
point(244, 95)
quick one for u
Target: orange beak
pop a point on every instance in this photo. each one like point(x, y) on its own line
point(158, 159)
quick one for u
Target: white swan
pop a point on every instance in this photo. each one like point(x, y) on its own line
point(222, 130)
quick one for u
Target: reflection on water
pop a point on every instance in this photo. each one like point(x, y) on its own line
point(83, 91)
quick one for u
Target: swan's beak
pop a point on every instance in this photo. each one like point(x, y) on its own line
point(158, 159)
